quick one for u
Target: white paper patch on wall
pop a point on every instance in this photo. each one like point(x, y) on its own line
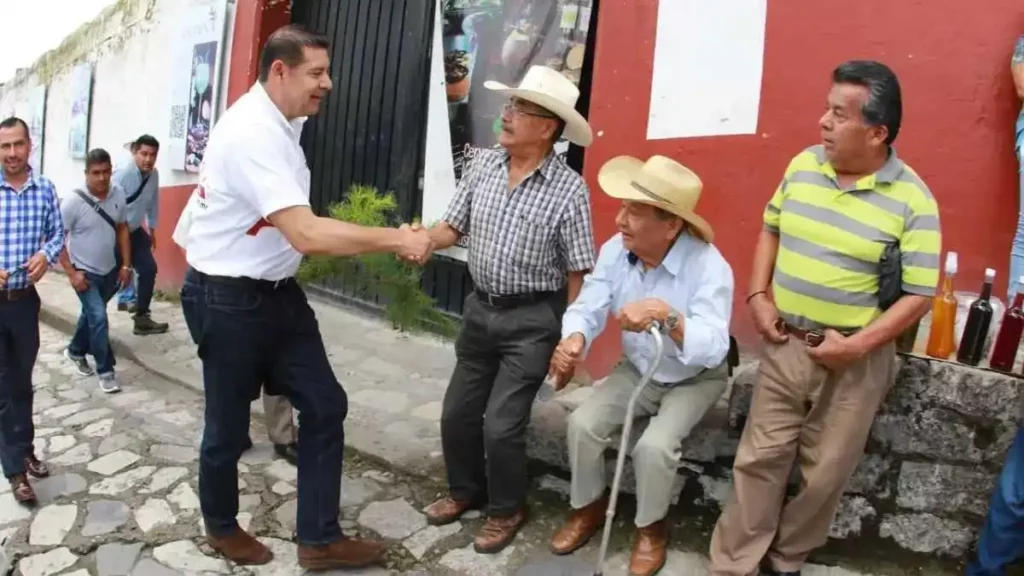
point(708, 61)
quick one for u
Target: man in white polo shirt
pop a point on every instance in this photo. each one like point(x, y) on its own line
point(251, 224)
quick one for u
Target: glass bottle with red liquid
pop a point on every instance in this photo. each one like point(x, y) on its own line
point(1004, 351)
point(941, 336)
point(979, 319)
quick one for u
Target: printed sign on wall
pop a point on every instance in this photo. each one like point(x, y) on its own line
point(195, 80)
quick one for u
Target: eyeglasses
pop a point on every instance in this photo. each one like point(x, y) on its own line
point(517, 109)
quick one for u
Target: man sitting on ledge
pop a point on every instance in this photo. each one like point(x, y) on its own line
point(660, 267)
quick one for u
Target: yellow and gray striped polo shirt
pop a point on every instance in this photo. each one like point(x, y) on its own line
point(831, 240)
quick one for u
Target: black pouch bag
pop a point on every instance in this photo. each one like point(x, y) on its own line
point(890, 276)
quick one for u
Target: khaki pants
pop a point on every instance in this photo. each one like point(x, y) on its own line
point(798, 408)
point(278, 413)
point(673, 411)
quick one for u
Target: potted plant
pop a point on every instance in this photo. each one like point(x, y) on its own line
point(394, 282)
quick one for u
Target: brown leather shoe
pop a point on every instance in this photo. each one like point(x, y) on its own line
point(447, 510)
point(649, 550)
point(241, 548)
point(36, 467)
point(22, 490)
point(580, 527)
point(344, 553)
point(497, 533)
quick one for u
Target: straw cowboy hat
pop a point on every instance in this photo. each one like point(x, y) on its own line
point(555, 93)
point(660, 182)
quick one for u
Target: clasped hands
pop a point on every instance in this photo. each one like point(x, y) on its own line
point(415, 244)
point(633, 317)
point(36, 267)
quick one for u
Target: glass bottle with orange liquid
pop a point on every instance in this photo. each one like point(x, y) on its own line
point(941, 336)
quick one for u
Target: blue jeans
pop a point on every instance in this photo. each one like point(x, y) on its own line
point(1002, 537)
point(140, 291)
point(249, 333)
point(19, 345)
point(92, 335)
point(1017, 250)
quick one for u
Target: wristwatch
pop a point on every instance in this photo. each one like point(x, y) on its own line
point(670, 323)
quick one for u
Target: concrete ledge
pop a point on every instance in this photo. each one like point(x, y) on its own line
point(922, 487)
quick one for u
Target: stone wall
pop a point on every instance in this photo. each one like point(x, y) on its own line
point(923, 486)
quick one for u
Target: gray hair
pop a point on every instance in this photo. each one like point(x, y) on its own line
point(884, 106)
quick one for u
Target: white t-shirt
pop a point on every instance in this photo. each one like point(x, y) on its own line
point(253, 167)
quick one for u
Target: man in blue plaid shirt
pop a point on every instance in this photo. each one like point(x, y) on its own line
point(31, 238)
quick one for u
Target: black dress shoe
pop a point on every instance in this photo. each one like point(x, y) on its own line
point(289, 452)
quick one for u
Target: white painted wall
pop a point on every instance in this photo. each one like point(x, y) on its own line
point(130, 95)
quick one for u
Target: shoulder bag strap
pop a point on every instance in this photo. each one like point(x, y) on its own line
point(96, 208)
point(138, 192)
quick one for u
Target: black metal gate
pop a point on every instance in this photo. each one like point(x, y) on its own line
point(372, 129)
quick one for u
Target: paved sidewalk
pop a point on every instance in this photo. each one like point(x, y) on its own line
point(395, 381)
point(395, 384)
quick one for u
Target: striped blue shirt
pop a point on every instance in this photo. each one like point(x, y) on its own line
point(30, 222)
point(147, 205)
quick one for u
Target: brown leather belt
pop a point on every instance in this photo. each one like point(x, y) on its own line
point(812, 338)
point(16, 294)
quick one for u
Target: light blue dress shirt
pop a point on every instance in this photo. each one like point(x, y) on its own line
point(147, 205)
point(694, 279)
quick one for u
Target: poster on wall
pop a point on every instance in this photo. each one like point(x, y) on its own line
point(695, 41)
point(195, 73)
point(480, 40)
point(35, 117)
point(81, 95)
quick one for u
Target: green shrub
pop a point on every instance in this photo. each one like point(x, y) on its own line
point(395, 282)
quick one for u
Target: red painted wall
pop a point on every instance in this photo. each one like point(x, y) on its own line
point(255, 20)
point(953, 61)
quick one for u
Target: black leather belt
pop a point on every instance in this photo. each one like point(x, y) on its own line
point(512, 300)
point(16, 294)
point(244, 282)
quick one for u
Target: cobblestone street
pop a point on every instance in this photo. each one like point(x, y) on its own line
point(122, 497)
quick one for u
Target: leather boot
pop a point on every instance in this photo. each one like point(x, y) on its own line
point(650, 550)
point(580, 527)
point(344, 553)
point(447, 510)
point(241, 548)
point(497, 533)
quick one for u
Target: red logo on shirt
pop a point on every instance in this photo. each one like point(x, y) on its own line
point(255, 229)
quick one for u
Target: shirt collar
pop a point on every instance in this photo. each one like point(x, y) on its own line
point(673, 261)
point(31, 182)
point(546, 168)
point(887, 174)
point(294, 127)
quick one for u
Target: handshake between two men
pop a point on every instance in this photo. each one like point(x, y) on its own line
point(438, 237)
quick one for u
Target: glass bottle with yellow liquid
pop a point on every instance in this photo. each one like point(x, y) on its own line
point(941, 337)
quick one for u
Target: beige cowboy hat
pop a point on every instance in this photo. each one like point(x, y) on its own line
point(660, 182)
point(553, 92)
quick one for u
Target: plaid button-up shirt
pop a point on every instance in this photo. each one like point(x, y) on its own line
point(30, 222)
point(526, 239)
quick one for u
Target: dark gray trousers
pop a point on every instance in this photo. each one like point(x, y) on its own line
point(502, 359)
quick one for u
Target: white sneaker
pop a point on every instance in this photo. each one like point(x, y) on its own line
point(108, 384)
